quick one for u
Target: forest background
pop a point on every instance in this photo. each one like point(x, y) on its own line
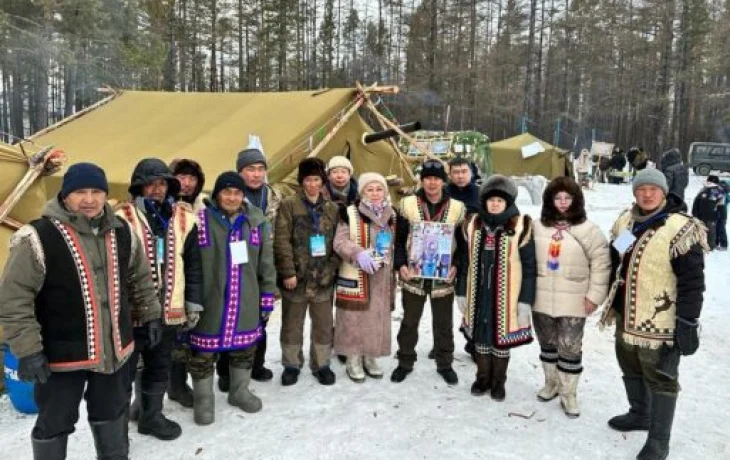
point(654, 73)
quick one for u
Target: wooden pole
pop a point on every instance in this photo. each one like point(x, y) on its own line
point(369, 104)
point(78, 114)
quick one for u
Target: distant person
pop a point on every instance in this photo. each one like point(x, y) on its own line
point(675, 171)
point(708, 206)
point(616, 167)
point(583, 168)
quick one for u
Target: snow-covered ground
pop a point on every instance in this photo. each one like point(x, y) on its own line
point(424, 418)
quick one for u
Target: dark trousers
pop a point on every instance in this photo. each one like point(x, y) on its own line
point(203, 364)
point(58, 400)
point(720, 231)
point(293, 316)
point(222, 367)
point(642, 363)
point(155, 361)
point(442, 312)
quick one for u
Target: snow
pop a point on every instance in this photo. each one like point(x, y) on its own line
point(423, 418)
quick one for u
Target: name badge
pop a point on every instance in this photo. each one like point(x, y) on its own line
point(239, 252)
point(382, 242)
point(160, 251)
point(624, 241)
point(317, 247)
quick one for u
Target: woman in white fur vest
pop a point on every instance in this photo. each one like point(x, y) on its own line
point(573, 267)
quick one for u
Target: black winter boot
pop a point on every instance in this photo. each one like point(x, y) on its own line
point(49, 449)
point(484, 374)
point(290, 376)
point(223, 368)
point(499, 377)
point(151, 420)
point(134, 408)
point(110, 439)
point(637, 418)
point(660, 428)
point(449, 375)
point(179, 390)
point(400, 374)
point(260, 373)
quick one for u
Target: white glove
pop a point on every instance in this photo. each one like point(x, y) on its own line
point(461, 303)
point(193, 318)
point(523, 314)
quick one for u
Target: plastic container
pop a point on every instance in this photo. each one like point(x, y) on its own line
point(21, 393)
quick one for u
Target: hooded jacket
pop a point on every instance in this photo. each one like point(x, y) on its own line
point(676, 173)
point(185, 165)
point(26, 313)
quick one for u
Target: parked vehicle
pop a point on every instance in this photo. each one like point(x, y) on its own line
point(704, 157)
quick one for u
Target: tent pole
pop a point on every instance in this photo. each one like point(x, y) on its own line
point(323, 143)
point(76, 115)
point(370, 106)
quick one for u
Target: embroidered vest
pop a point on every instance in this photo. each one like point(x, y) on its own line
point(650, 288)
point(412, 209)
point(508, 276)
point(169, 275)
point(67, 306)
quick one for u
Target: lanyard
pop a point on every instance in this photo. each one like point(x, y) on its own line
point(160, 218)
point(231, 226)
point(312, 210)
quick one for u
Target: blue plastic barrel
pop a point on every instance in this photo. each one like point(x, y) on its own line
point(20, 393)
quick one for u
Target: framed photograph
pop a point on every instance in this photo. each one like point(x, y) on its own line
point(430, 254)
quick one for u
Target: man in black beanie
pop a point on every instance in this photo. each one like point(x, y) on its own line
point(170, 241)
point(72, 284)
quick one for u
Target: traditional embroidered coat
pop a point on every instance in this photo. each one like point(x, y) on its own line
point(414, 210)
point(234, 294)
point(363, 324)
point(661, 276)
point(501, 272)
point(68, 291)
point(181, 263)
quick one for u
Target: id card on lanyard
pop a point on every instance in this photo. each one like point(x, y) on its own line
point(317, 243)
point(382, 242)
point(160, 250)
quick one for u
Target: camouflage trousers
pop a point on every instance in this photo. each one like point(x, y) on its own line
point(561, 341)
point(202, 364)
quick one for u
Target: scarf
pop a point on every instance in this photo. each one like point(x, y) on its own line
point(494, 221)
point(376, 208)
point(640, 217)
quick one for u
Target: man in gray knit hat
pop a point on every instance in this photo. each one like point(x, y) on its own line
point(252, 167)
point(656, 296)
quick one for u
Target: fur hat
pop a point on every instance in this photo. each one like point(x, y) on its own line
point(576, 213)
point(498, 185)
point(369, 178)
point(713, 179)
point(229, 179)
point(339, 162)
point(83, 175)
point(191, 167)
point(311, 167)
point(433, 168)
point(650, 176)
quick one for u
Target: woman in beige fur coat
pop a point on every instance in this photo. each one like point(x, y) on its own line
point(573, 267)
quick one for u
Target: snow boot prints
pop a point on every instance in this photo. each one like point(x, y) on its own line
point(239, 395)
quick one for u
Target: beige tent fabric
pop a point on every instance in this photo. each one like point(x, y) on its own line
point(212, 128)
point(507, 158)
point(13, 166)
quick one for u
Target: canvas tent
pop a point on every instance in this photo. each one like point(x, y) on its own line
point(508, 158)
point(213, 127)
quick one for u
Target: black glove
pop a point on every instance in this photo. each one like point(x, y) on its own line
point(154, 332)
point(34, 368)
point(687, 335)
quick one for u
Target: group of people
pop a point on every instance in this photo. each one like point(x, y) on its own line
point(174, 282)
